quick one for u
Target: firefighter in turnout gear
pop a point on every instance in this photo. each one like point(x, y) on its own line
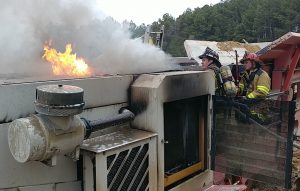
point(254, 84)
point(210, 61)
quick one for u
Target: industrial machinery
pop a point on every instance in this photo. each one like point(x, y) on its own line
point(158, 131)
point(154, 38)
point(41, 147)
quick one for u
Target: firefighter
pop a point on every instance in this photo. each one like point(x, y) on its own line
point(210, 61)
point(254, 84)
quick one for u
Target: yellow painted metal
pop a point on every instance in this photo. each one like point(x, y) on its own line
point(196, 167)
point(183, 173)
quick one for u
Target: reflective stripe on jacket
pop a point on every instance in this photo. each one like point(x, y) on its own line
point(256, 84)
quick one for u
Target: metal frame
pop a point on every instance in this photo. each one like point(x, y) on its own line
point(291, 70)
point(288, 139)
point(150, 91)
point(17, 98)
point(196, 167)
point(100, 147)
point(289, 154)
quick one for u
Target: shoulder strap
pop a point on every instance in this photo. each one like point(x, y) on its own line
point(257, 72)
point(215, 68)
point(218, 78)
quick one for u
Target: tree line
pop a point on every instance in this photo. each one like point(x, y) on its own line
point(229, 20)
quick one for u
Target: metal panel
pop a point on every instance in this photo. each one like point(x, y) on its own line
point(271, 51)
point(253, 139)
point(17, 173)
point(185, 139)
point(14, 174)
point(69, 186)
point(48, 187)
point(119, 138)
point(129, 169)
point(151, 91)
point(102, 112)
point(16, 99)
point(88, 174)
point(132, 165)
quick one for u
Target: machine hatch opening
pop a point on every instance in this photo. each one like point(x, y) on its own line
point(184, 122)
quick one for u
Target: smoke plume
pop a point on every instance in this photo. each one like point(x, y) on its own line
point(105, 44)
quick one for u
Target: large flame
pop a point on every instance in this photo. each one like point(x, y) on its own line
point(66, 63)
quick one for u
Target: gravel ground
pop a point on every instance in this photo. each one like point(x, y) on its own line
point(266, 187)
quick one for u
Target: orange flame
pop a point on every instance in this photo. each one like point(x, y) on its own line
point(66, 63)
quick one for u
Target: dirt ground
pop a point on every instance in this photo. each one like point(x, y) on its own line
point(266, 187)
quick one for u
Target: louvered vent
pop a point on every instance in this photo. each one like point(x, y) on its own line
point(129, 170)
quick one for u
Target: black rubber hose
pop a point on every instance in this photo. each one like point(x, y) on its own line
point(124, 116)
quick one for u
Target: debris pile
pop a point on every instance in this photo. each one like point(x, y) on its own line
point(230, 45)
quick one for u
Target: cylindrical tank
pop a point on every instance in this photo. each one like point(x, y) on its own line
point(32, 139)
point(59, 100)
point(55, 130)
point(228, 81)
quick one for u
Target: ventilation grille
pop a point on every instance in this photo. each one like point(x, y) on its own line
point(128, 170)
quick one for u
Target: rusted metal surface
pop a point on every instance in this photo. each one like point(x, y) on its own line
point(296, 76)
point(283, 53)
point(279, 46)
point(290, 73)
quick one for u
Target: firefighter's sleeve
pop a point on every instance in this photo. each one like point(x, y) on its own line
point(242, 84)
point(212, 72)
point(262, 87)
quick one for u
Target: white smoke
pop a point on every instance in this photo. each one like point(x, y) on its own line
point(102, 42)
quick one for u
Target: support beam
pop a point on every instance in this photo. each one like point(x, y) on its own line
point(291, 70)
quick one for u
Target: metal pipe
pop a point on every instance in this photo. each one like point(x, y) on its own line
point(237, 73)
point(124, 116)
point(276, 94)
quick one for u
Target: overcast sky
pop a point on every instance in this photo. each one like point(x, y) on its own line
point(142, 11)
